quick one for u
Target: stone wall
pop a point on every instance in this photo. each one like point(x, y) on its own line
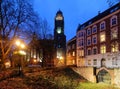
point(86, 72)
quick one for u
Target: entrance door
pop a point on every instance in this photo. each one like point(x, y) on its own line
point(104, 76)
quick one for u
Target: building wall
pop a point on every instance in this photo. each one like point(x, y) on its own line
point(95, 49)
point(71, 52)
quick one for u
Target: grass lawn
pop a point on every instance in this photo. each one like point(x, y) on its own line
point(47, 78)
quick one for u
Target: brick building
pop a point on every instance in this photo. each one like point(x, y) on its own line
point(98, 40)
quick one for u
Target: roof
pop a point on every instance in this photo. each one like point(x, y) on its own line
point(99, 16)
point(74, 38)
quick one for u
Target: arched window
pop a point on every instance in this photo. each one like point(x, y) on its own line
point(94, 29)
point(113, 20)
point(102, 26)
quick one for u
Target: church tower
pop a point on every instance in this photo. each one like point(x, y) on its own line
point(60, 39)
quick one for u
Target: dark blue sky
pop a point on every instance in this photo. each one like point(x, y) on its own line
point(75, 12)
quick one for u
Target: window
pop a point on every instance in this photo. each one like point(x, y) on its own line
point(89, 52)
point(82, 34)
point(114, 33)
point(89, 62)
point(102, 36)
point(94, 39)
point(94, 29)
point(114, 47)
point(114, 61)
point(82, 43)
point(81, 53)
point(73, 46)
point(89, 41)
point(73, 54)
point(113, 20)
point(95, 62)
point(95, 50)
point(88, 32)
point(103, 49)
point(102, 25)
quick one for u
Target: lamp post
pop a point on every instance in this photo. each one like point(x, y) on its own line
point(20, 46)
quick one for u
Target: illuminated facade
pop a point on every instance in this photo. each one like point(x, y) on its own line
point(60, 40)
point(98, 40)
point(71, 52)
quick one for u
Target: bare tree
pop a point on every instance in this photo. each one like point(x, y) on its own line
point(45, 30)
point(16, 16)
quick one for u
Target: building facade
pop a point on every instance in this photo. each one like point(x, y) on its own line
point(59, 40)
point(71, 52)
point(98, 40)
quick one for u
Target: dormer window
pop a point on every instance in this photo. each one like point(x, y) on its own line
point(113, 20)
point(102, 26)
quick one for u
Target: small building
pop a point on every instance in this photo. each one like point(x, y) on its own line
point(71, 52)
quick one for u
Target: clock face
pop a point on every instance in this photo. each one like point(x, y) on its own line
point(59, 30)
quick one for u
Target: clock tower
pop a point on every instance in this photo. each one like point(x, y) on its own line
point(60, 40)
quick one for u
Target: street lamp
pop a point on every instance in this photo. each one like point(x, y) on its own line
point(21, 52)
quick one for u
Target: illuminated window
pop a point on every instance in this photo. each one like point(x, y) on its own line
point(88, 31)
point(94, 29)
point(103, 49)
point(73, 54)
point(114, 47)
point(81, 53)
point(102, 36)
point(95, 62)
point(114, 20)
point(114, 33)
point(102, 25)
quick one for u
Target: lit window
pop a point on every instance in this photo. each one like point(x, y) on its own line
point(102, 25)
point(114, 47)
point(95, 62)
point(73, 53)
point(102, 37)
point(94, 29)
point(89, 31)
point(114, 33)
point(103, 49)
point(81, 53)
point(113, 20)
